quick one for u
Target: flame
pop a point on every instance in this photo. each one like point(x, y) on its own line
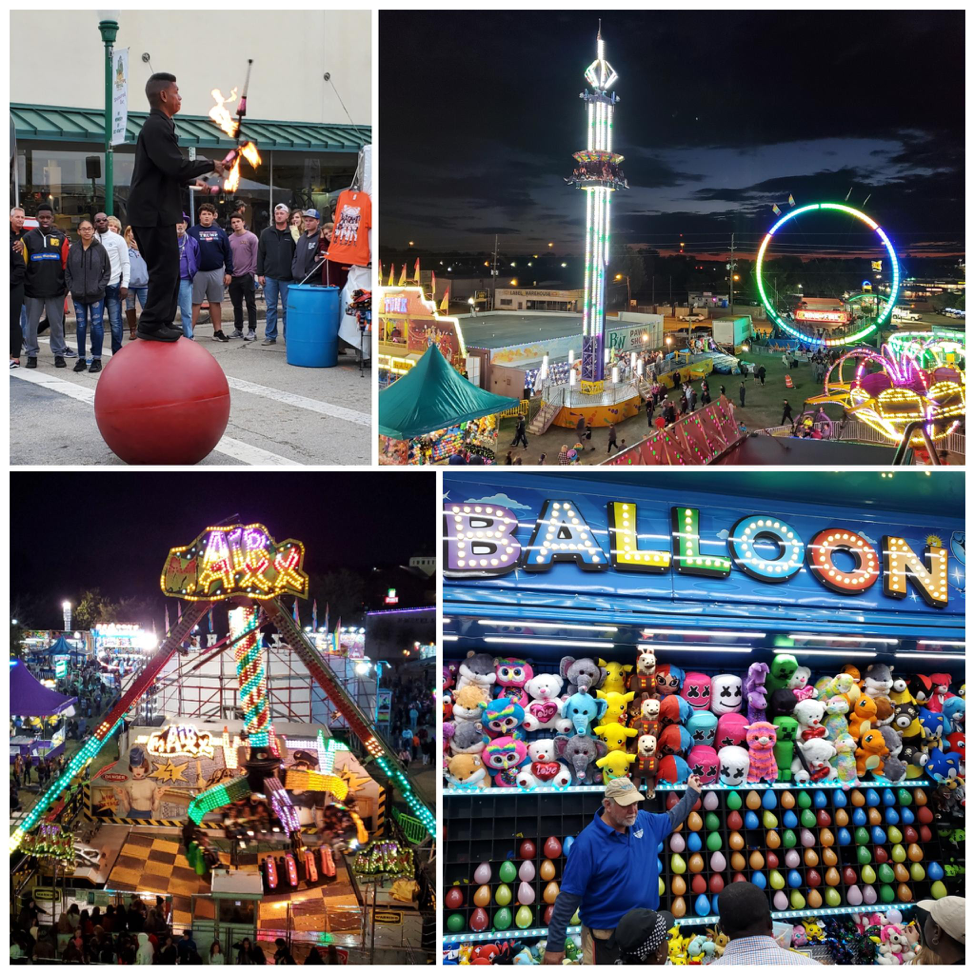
point(248, 152)
point(221, 115)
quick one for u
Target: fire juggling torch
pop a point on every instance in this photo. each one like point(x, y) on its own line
point(232, 127)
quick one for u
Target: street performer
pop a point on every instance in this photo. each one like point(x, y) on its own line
point(155, 205)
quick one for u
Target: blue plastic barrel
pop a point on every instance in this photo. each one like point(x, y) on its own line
point(313, 315)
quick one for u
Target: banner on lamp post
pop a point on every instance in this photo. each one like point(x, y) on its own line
point(120, 95)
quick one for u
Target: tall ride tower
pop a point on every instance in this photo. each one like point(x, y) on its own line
point(598, 175)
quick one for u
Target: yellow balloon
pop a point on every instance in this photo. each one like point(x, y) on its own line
point(550, 893)
point(482, 896)
point(547, 870)
point(898, 854)
point(677, 865)
point(503, 895)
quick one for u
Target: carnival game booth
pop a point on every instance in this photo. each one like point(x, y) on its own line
point(803, 656)
point(38, 715)
point(433, 412)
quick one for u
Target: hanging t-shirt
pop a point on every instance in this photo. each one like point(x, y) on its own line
point(350, 238)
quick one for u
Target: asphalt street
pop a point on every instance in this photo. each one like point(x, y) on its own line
point(279, 414)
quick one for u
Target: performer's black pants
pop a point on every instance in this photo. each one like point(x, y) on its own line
point(160, 251)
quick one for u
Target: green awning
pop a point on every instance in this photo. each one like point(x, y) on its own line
point(49, 123)
point(431, 396)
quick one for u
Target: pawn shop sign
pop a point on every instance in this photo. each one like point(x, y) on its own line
point(235, 560)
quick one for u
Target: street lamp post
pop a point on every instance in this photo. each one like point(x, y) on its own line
point(619, 277)
point(108, 29)
point(66, 610)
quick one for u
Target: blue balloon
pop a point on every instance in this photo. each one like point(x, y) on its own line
point(888, 797)
point(702, 906)
point(694, 842)
point(878, 835)
point(843, 837)
point(935, 871)
point(714, 909)
point(859, 817)
point(659, 866)
point(750, 820)
point(872, 798)
point(839, 799)
point(768, 801)
point(819, 799)
point(570, 841)
point(659, 847)
point(790, 820)
point(759, 880)
point(794, 878)
point(892, 816)
point(906, 816)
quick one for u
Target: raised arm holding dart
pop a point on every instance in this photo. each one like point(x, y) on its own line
point(155, 205)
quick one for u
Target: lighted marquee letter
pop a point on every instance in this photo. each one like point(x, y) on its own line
point(687, 558)
point(217, 564)
point(248, 546)
point(478, 539)
point(562, 534)
point(784, 565)
point(929, 575)
point(624, 543)
point(821, 551)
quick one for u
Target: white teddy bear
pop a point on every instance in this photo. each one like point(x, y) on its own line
point(546, 708)
point(812, 763)
point(543, 768)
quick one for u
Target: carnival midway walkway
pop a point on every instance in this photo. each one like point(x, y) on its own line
point(279, 414)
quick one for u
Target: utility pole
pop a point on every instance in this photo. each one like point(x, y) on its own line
point(109, 30)
point(493, 273)
point(732, 276)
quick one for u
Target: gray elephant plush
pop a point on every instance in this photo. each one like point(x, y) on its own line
point(581, 674)
point(579, 753)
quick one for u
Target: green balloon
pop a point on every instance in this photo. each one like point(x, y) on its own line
point(788, 840)
point(797, 900)
point(808, 818)
point(904, 797)
point(733, 801)
point(713, 841)
point(711, 823)
point(886, 874)
point(898, 854)
point(832, 897)
point(677, 865)
point(868, 874)
point(938, 890)
point(894, 834)
point(776, 880)
point(507, 872)
point(455, 923)
point(862, 835)
point(887, 894)
point(863, 855)
point(804, 799)
point(917, 872)
point(503, 895)
point(503, 918)
point(524, 917)
point(770, 820)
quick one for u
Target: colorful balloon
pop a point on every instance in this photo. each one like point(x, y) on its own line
point(717, 862)
point(503, 919)
point(814, 899)
point(525, 894)
point(479, 920)
point(787, 799)
point(854, 896)
point(903, 893)
point(832, 897)
point(547, 870)
point(714, 842)
point(869, 895)
point(454, 898)
point(797, 900)
point(737, 862)
point(753, 800)
point(678, 907)
point(696, 863)
point(677, 864)
point(734, 821)
point(507, 873)
point(502, 896)
point(733, 801)
point(776, 880)
point(550, 893)
point(698, 885)
point(528, 850)
point(780, 901)
point(455, 923)
point(710, 801)
point(552, 847)
point(524, 918)
point(482, 873)
point(678, 886)
point(526, 872)
point(702, 906)
point(938, 890)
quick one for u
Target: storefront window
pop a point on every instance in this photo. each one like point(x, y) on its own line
point(312, 180)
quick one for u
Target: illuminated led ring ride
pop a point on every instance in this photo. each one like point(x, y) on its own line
point(789, 327)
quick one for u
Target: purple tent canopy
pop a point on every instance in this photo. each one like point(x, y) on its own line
point(30, 698)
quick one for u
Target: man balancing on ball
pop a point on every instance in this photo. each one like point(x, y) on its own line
point(155, 205)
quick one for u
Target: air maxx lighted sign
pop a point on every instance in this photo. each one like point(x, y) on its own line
point(481, 540)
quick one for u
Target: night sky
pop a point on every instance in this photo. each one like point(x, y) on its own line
point(114, 530)
point(721, 114)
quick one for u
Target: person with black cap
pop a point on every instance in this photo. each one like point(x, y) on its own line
point(745, 917)
point(306, 250)
point(941, 924)
point(155, 204)
point(642, 936)
point(612, 869)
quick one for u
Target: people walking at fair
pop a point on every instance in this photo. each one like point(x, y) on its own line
point(86, 276)
point(108, 231)
point(612, 438)
point(307, 248)
point(189, 262)
point(650, 409)
point(45, 255)
point(216, 268)
point(138, 282)
point(613, 868)
point(275, 251)
point(520, 433)
point(155, 204)
point(243, 243)
point(762, 372)
point(742, 392)
point(692, 399)
point(786, 415)
point(17, 274)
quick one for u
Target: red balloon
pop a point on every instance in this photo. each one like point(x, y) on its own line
point(698, 884)
point(880, 855)
point(849, 876)
point(528, 849)
point(771, 860)
point(823, 819)
point(479, 920)
point(813, 878)
point(162, 402)
point(925, 834)
point(552, 848)
point(672, 799)
point(454, 898)
point(734, 821)
point(548, 910)
point(910, 834)
point(696, 807)
point(716, 883)
point(925, 815)
point(739, 878)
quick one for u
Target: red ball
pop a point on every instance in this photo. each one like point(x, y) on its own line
point(162, 403)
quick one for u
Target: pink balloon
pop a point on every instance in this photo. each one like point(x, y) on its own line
point(854, 896)
point(808, 839)
point(479, 920)
point(526, 872)
point(677, 843)
point(481, 874)
point(780, 900)
point(710, 801)
point(869, 895)
point(792, 859)
point(525, 894)
point(717, 862)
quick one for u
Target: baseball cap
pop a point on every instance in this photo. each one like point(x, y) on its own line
point(640, 932)
point(948, 914)
point(314, 214)
point(282, 206)
point(623, 791)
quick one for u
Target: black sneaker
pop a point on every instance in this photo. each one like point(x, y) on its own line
point(236, 334)
point(59, 362)
point(80, 365)
point(95, 365)
point(70, 353)
point(31, 362)
point(218, 336)
point(165, 333)
point(269, 341)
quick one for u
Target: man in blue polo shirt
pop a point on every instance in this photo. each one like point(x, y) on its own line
point(612, 868)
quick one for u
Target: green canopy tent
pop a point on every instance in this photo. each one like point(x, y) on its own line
point(431, 396)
